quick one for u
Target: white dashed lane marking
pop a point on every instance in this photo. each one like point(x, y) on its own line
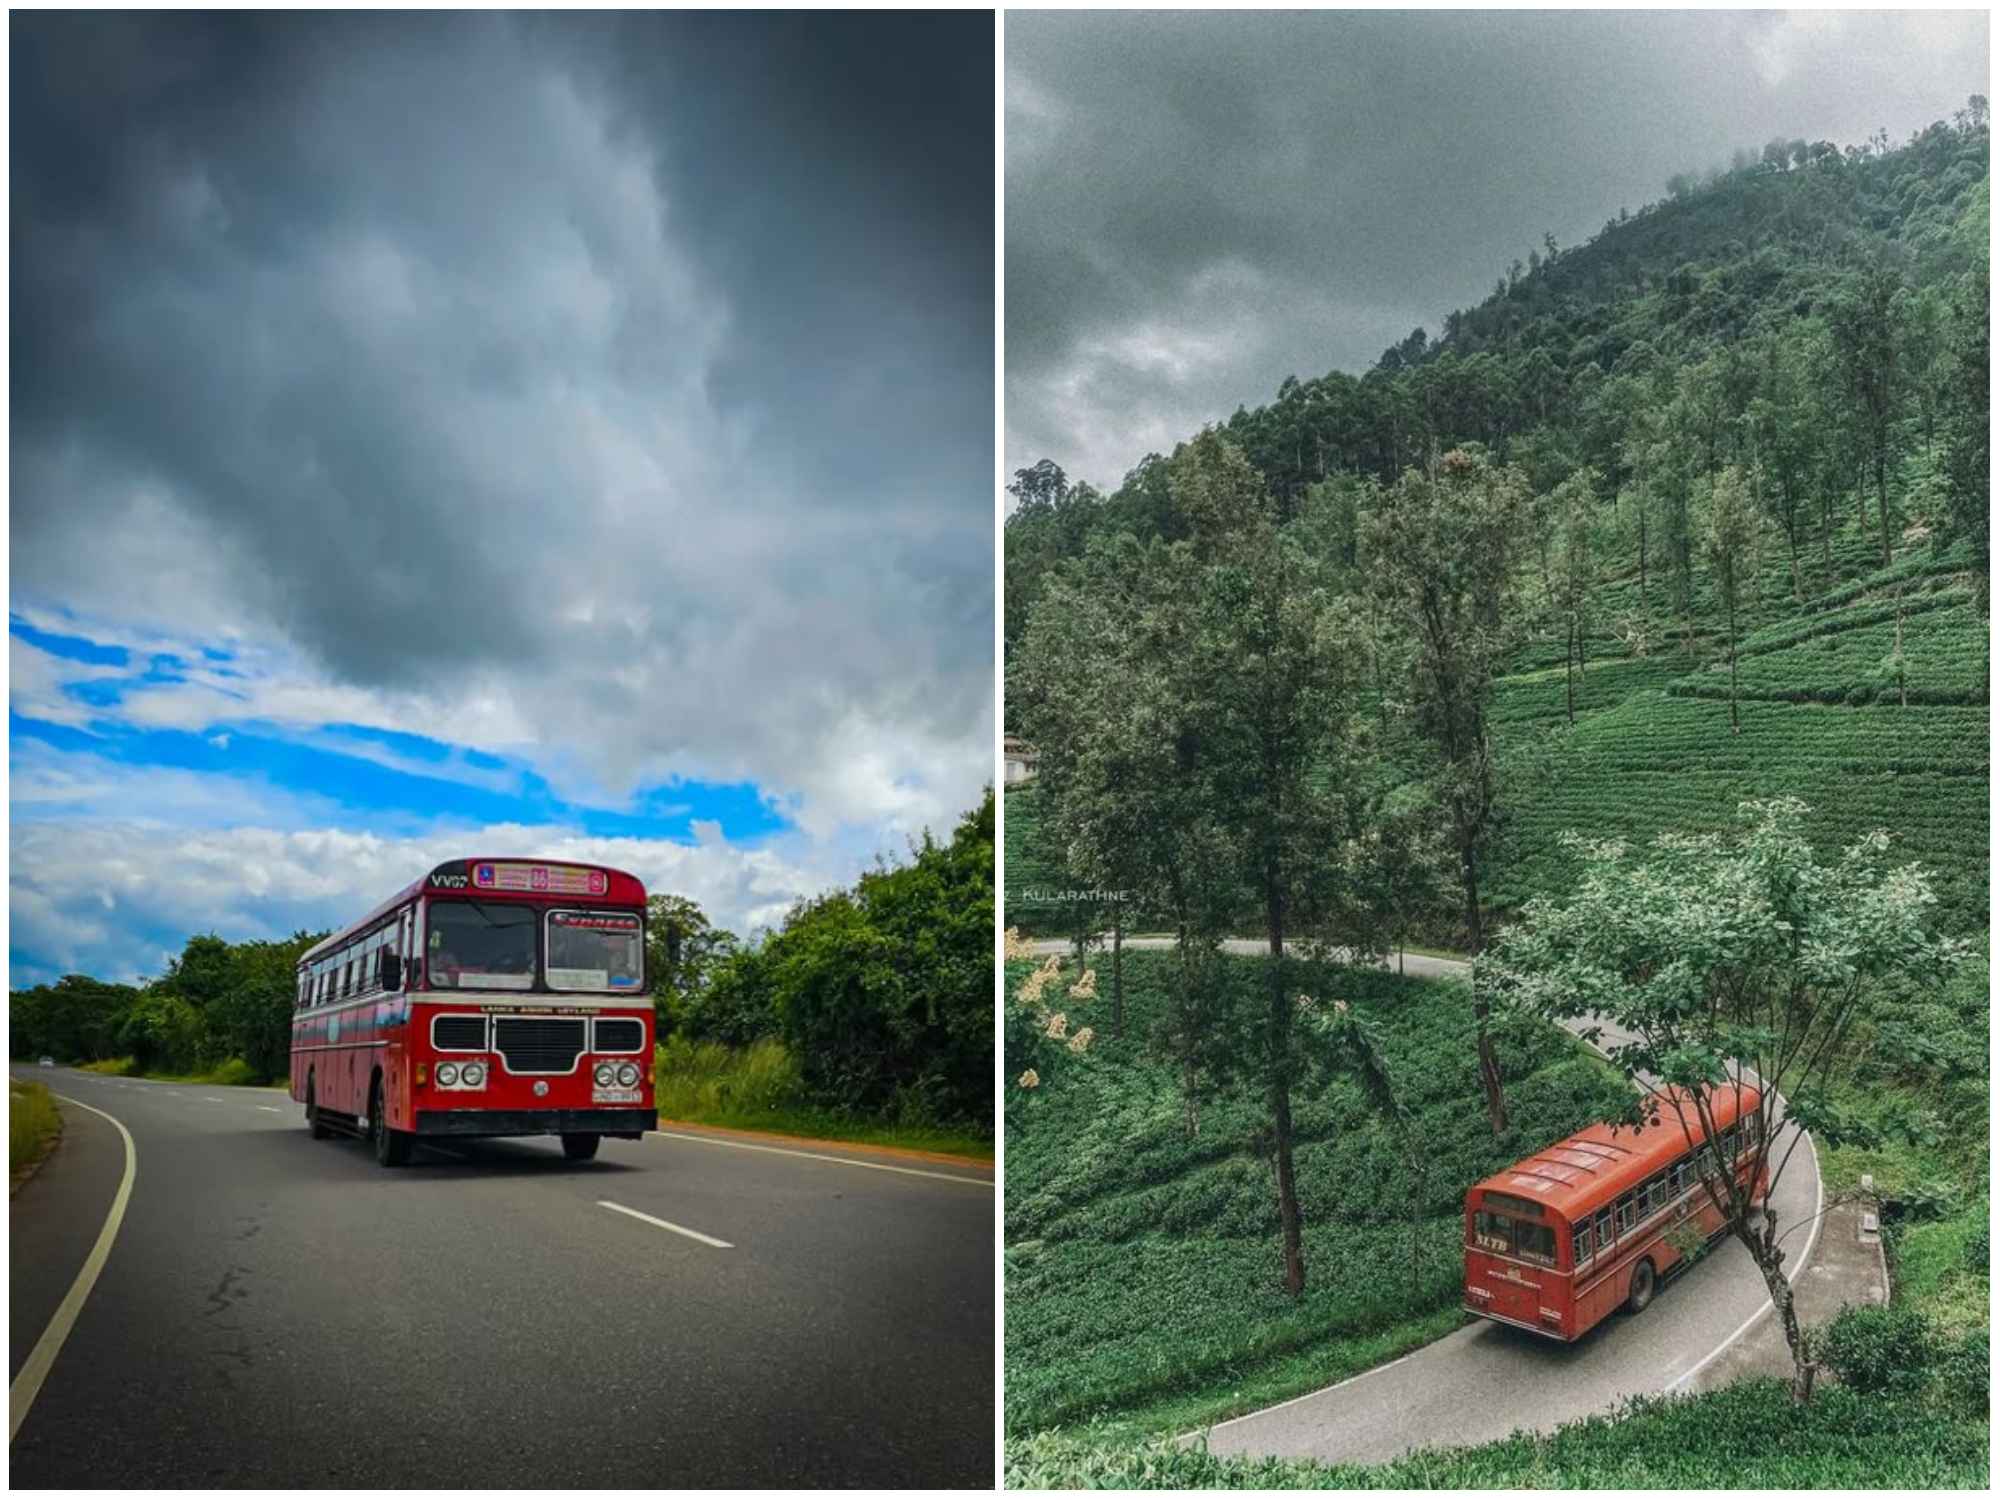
point(693, 1234)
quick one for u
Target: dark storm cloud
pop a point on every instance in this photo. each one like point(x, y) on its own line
point(1199, 204)
point(638, 367)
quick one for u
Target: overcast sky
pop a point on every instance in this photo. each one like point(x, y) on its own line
point(464, 434)
point(1199, 204)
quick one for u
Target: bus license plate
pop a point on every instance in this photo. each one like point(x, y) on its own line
point(614, 1096)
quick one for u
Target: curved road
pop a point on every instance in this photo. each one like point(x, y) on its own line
point(278, 1311)
point(1487, 1381)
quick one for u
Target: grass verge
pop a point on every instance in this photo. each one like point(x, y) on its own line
point(758, 1087)
point(33, 1124)
point(231, 1072)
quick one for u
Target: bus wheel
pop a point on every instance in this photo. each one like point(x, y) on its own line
point(1645, 1281)
point(392, 1147)
point(579, 1147)
point(314, 1123)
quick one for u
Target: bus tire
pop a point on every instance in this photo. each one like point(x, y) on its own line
point(314, 1124)
point(1645, 1281)
point(580, 1147)
point(392, 1147)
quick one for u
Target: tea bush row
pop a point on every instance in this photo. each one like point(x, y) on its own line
point(1744, 1436)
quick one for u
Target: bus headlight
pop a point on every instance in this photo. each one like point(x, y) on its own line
point(472, 1075)
point(628, 1075)
point(447, 1075)
point(606, 1075)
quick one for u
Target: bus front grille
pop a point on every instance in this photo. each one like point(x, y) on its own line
point(539, 1044)
point(458, 1033)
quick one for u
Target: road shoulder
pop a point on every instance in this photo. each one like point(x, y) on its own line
point(1842, 1268)
point(833, 1147)
point(54, 1221)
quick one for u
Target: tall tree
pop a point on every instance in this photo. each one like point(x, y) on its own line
point(1444, 545)
point(1576, 573)
point(1966, 423)
point(1193, 708)
point(1729, 541)
point(1863, 319)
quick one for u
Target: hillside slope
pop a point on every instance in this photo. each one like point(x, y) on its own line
point(1729, 328)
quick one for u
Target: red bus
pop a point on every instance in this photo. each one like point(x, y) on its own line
point(492, 997)
point(1558, 1242)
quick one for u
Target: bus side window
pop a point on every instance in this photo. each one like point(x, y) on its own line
point(1580, 1240)
point(1603, 1228)
point(1624, 1215)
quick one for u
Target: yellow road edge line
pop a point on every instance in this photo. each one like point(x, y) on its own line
point(41, 1359)
point(845, 1161)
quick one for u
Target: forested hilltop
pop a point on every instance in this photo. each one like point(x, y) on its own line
point(1732, 453)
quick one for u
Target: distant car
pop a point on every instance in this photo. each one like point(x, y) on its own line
point(48, 1062)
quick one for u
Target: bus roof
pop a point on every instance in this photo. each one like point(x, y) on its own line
point(503, 880)
point(1579, 1175)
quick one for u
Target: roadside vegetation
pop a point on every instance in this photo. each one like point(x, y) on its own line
point(867, 1015)
point(761, 1087)
point(33, 1124)
point(1678, 539)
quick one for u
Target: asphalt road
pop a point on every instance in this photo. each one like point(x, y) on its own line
point(1487, 1381)
point(278, 1311)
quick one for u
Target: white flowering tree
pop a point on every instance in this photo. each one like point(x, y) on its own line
point(1713, 962)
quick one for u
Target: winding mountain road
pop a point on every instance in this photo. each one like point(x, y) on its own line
point(1487, 1381)
point(686, 1311)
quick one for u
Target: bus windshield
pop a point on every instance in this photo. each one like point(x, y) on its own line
point(595, 950)
point(481, 945)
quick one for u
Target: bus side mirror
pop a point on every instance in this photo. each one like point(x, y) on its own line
point(392, 971)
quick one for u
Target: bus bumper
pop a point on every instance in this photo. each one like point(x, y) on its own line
point(1543, 1329)
point(628, 1124)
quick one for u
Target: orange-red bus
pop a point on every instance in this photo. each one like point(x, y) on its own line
point(491, 997)
point(1557, 1242)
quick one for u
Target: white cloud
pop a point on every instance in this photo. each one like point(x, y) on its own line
point(82, 893)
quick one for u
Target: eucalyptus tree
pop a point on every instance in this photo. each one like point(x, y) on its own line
point(1783, 439)
point(1193, 703)
point(1864, 319)
point(1967, 430)
point(1716, 963)
point(1443, 548)
point(1577, 573)
point(1729, 541)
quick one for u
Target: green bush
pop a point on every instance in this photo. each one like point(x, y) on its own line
point(884, 993)
point(32, 1123)
point(712, 1080)
point(1964, 1372)
point(1875, 1348)
point(113, 1067)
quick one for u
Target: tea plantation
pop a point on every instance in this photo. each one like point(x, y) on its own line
point(1142, 1273)
point(1822, 719)
point(1822, 712)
